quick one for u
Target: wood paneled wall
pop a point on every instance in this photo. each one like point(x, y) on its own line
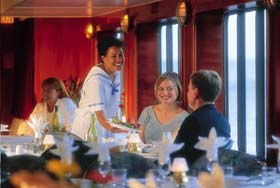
point(273, 57)
point(209, 48)
point(147, 64)
point(61, 50)
point(7, 48)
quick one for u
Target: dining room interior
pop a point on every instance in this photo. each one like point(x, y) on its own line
point(41, 39)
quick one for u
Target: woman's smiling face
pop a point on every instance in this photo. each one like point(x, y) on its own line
point(114, 60)
point(167, 92)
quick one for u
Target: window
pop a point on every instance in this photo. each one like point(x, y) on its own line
point(245, 79)
point(121, 111)
point(169, 47)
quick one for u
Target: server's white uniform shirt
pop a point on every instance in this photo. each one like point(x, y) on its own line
point(98, 93)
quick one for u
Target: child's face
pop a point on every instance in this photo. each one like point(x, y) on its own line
point(50, 95)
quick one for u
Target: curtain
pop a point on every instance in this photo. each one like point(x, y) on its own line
point(61, 50)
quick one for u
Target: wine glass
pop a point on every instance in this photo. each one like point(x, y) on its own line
point(104, 167)
point(166, 137)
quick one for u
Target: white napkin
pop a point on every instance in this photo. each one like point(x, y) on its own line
point(37, 125)
point(102, 149)
point(213, 180)
point(164, 150)
point(64, 149)
point(274, 146)
point(4, 127)
point(211, 144)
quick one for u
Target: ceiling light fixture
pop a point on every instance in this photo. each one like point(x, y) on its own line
point(125, 23)
point(183, 12)
point(272, 3)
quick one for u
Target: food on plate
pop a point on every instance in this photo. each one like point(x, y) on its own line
point(126, 124)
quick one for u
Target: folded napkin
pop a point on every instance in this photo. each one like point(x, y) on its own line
point(274, 146)
point(211, 144)
point(215, 179)
point(36, 125)
point(102, 149)
point(65, 149)
point(164, 150)
point(4, 127)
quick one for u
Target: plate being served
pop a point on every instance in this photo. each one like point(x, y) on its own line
point(123, 127)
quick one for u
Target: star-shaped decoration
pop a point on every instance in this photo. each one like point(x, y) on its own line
point(164, 150)
point(211, 144)
point(274, 146)
point(36, 125)
point(65, 149)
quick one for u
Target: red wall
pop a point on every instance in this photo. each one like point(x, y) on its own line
point(273, 56)
point(61, 50)
point(147, 64)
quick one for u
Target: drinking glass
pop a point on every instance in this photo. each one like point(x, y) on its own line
point(268, 175)
point(104, 167)
point(166, 137)
point(228, 171)
point(119, 177)
point(28, 148)
point(7, 148)
point(159, 175)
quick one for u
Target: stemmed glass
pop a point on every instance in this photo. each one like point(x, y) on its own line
point(104, 167)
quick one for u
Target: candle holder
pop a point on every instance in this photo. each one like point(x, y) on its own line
point(133, 148)
point(179, 168)
point(180, 177)
point(133, 143)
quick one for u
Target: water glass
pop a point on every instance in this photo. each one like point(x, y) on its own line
point(28, 148)
point(166, 137)
point(268, 175)
point(158, 175)
point(119, 177)
point(7, 148)
point(228, 171)
point(104, 167)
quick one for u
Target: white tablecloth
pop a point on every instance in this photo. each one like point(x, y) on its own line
point(240, 182)
point(15, 140)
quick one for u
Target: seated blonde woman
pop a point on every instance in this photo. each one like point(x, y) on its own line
point(166, 115)
point(54, 94)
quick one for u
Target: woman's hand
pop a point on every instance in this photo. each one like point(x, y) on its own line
point(103, 121)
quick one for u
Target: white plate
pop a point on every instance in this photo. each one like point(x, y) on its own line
point(123, 127)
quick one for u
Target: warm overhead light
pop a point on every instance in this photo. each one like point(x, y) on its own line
point(183, 12)
point(272, 3)
point(89, 31)
point(125, 23)
point(7, 20)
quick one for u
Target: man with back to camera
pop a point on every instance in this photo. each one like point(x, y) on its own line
point(203, 90)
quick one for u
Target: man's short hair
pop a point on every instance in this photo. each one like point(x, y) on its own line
point(209, 84)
